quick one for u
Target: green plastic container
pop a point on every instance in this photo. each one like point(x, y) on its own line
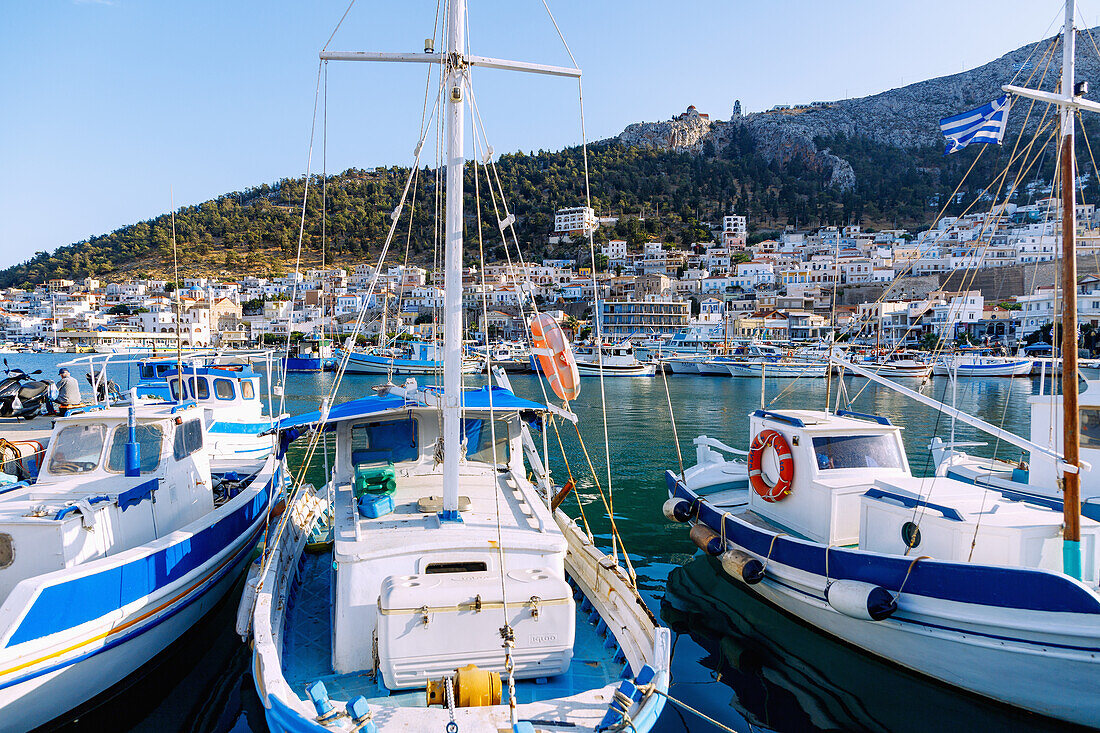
point(375, 480)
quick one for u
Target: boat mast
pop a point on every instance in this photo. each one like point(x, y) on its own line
point(455, 66)
point(1069, 101)
point(1071, 481)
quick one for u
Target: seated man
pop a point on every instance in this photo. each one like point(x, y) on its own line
point(68, 394)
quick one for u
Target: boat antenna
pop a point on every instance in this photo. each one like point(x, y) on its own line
point(176, 292)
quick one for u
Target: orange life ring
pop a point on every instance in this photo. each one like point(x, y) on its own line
point(551, 346)
point(782, 487)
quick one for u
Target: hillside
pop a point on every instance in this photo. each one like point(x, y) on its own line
point(878, 160)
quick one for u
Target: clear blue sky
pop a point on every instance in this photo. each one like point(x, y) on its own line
point(106, 105)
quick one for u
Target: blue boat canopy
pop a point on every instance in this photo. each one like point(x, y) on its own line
point(475, 399)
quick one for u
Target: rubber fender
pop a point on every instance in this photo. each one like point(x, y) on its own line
point(742, 566)
point(677, 510)
point(860, 600)
point(706, 539)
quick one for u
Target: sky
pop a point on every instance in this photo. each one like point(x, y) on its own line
point(111, 110)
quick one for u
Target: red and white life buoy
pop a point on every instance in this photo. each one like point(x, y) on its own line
point(782, 487)
point(551, 346)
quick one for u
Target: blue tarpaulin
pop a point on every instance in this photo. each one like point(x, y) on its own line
point(475, 399)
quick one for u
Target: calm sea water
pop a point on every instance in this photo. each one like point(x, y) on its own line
point(735, 658)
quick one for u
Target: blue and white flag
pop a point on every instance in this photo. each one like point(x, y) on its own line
point(986, 124)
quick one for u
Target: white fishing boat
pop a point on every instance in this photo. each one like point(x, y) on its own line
point(455, 596)
point(614, 360)
point(124, 541)
point(898, 364)
point(779, 369)
point(417, 358)
point(682, 363)
point(992, 591)
point(714, 366)
point(982, 365)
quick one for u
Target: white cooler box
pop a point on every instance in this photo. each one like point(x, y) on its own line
point(430, 625)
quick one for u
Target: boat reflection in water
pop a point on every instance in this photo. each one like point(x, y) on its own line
point(787, 677)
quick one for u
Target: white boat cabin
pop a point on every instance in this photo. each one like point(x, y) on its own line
point(851, 487)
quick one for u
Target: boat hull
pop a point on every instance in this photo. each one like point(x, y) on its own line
point(1051, 650)
point(993, 369)
point(778, 371)
point(368, 364)
point(51, 673)
point(633, 370)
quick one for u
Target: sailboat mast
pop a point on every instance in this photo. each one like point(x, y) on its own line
point(455, 68)
point(1071, 496)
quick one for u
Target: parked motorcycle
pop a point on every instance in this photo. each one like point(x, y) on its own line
point(23, 396)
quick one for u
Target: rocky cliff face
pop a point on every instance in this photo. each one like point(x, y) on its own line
point(905, 117)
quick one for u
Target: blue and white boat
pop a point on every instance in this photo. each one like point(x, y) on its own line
point(456, 595)
point(947, 578)
point(982, 365)
point(406, 358)
point(311, 355)
point(992, 590)
point(124, 541)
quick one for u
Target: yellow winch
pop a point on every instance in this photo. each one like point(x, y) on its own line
point(473, 687)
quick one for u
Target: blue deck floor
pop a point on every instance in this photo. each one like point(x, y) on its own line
point(307, 650)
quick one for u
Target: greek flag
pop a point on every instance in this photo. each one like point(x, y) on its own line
point(986, 124)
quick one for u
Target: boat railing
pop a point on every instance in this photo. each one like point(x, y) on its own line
point(719, 445)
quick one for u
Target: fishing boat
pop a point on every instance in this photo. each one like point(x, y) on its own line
point(991, 592)
point(311, 355)
point(778, 368)
point(124, 541)
point(898, 364)
point(982, 365)
point(681, 363)
point(611, 360)
point(407, 358)
point(456, 594)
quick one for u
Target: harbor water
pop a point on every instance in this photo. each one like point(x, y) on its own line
point(735, 658)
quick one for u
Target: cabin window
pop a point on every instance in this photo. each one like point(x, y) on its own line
point(150, 438)
point(223, 389)
point(478, 437)
point(247, 390)
point(188, 439)
point(857, 451)
point(199, 388)
point(77, 449)
point(1090, 427)
point(389, 441)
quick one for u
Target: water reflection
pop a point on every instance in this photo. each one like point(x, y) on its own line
point(736, 652)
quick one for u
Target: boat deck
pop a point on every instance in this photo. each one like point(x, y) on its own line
point(307, 651)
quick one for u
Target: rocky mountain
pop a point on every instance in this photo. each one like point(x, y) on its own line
point(906, 117)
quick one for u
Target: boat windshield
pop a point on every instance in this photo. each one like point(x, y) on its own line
point(150, 438)
point(857, 451)
point(77, 449)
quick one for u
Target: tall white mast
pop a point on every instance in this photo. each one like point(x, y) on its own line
point(455, 67)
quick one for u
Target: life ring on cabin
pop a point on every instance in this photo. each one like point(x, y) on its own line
point(782, 487)
point(551, 346)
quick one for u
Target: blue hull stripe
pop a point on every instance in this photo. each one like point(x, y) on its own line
point(191, 598)
point(985, 585)
point(77, 601)
point(250, 428)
